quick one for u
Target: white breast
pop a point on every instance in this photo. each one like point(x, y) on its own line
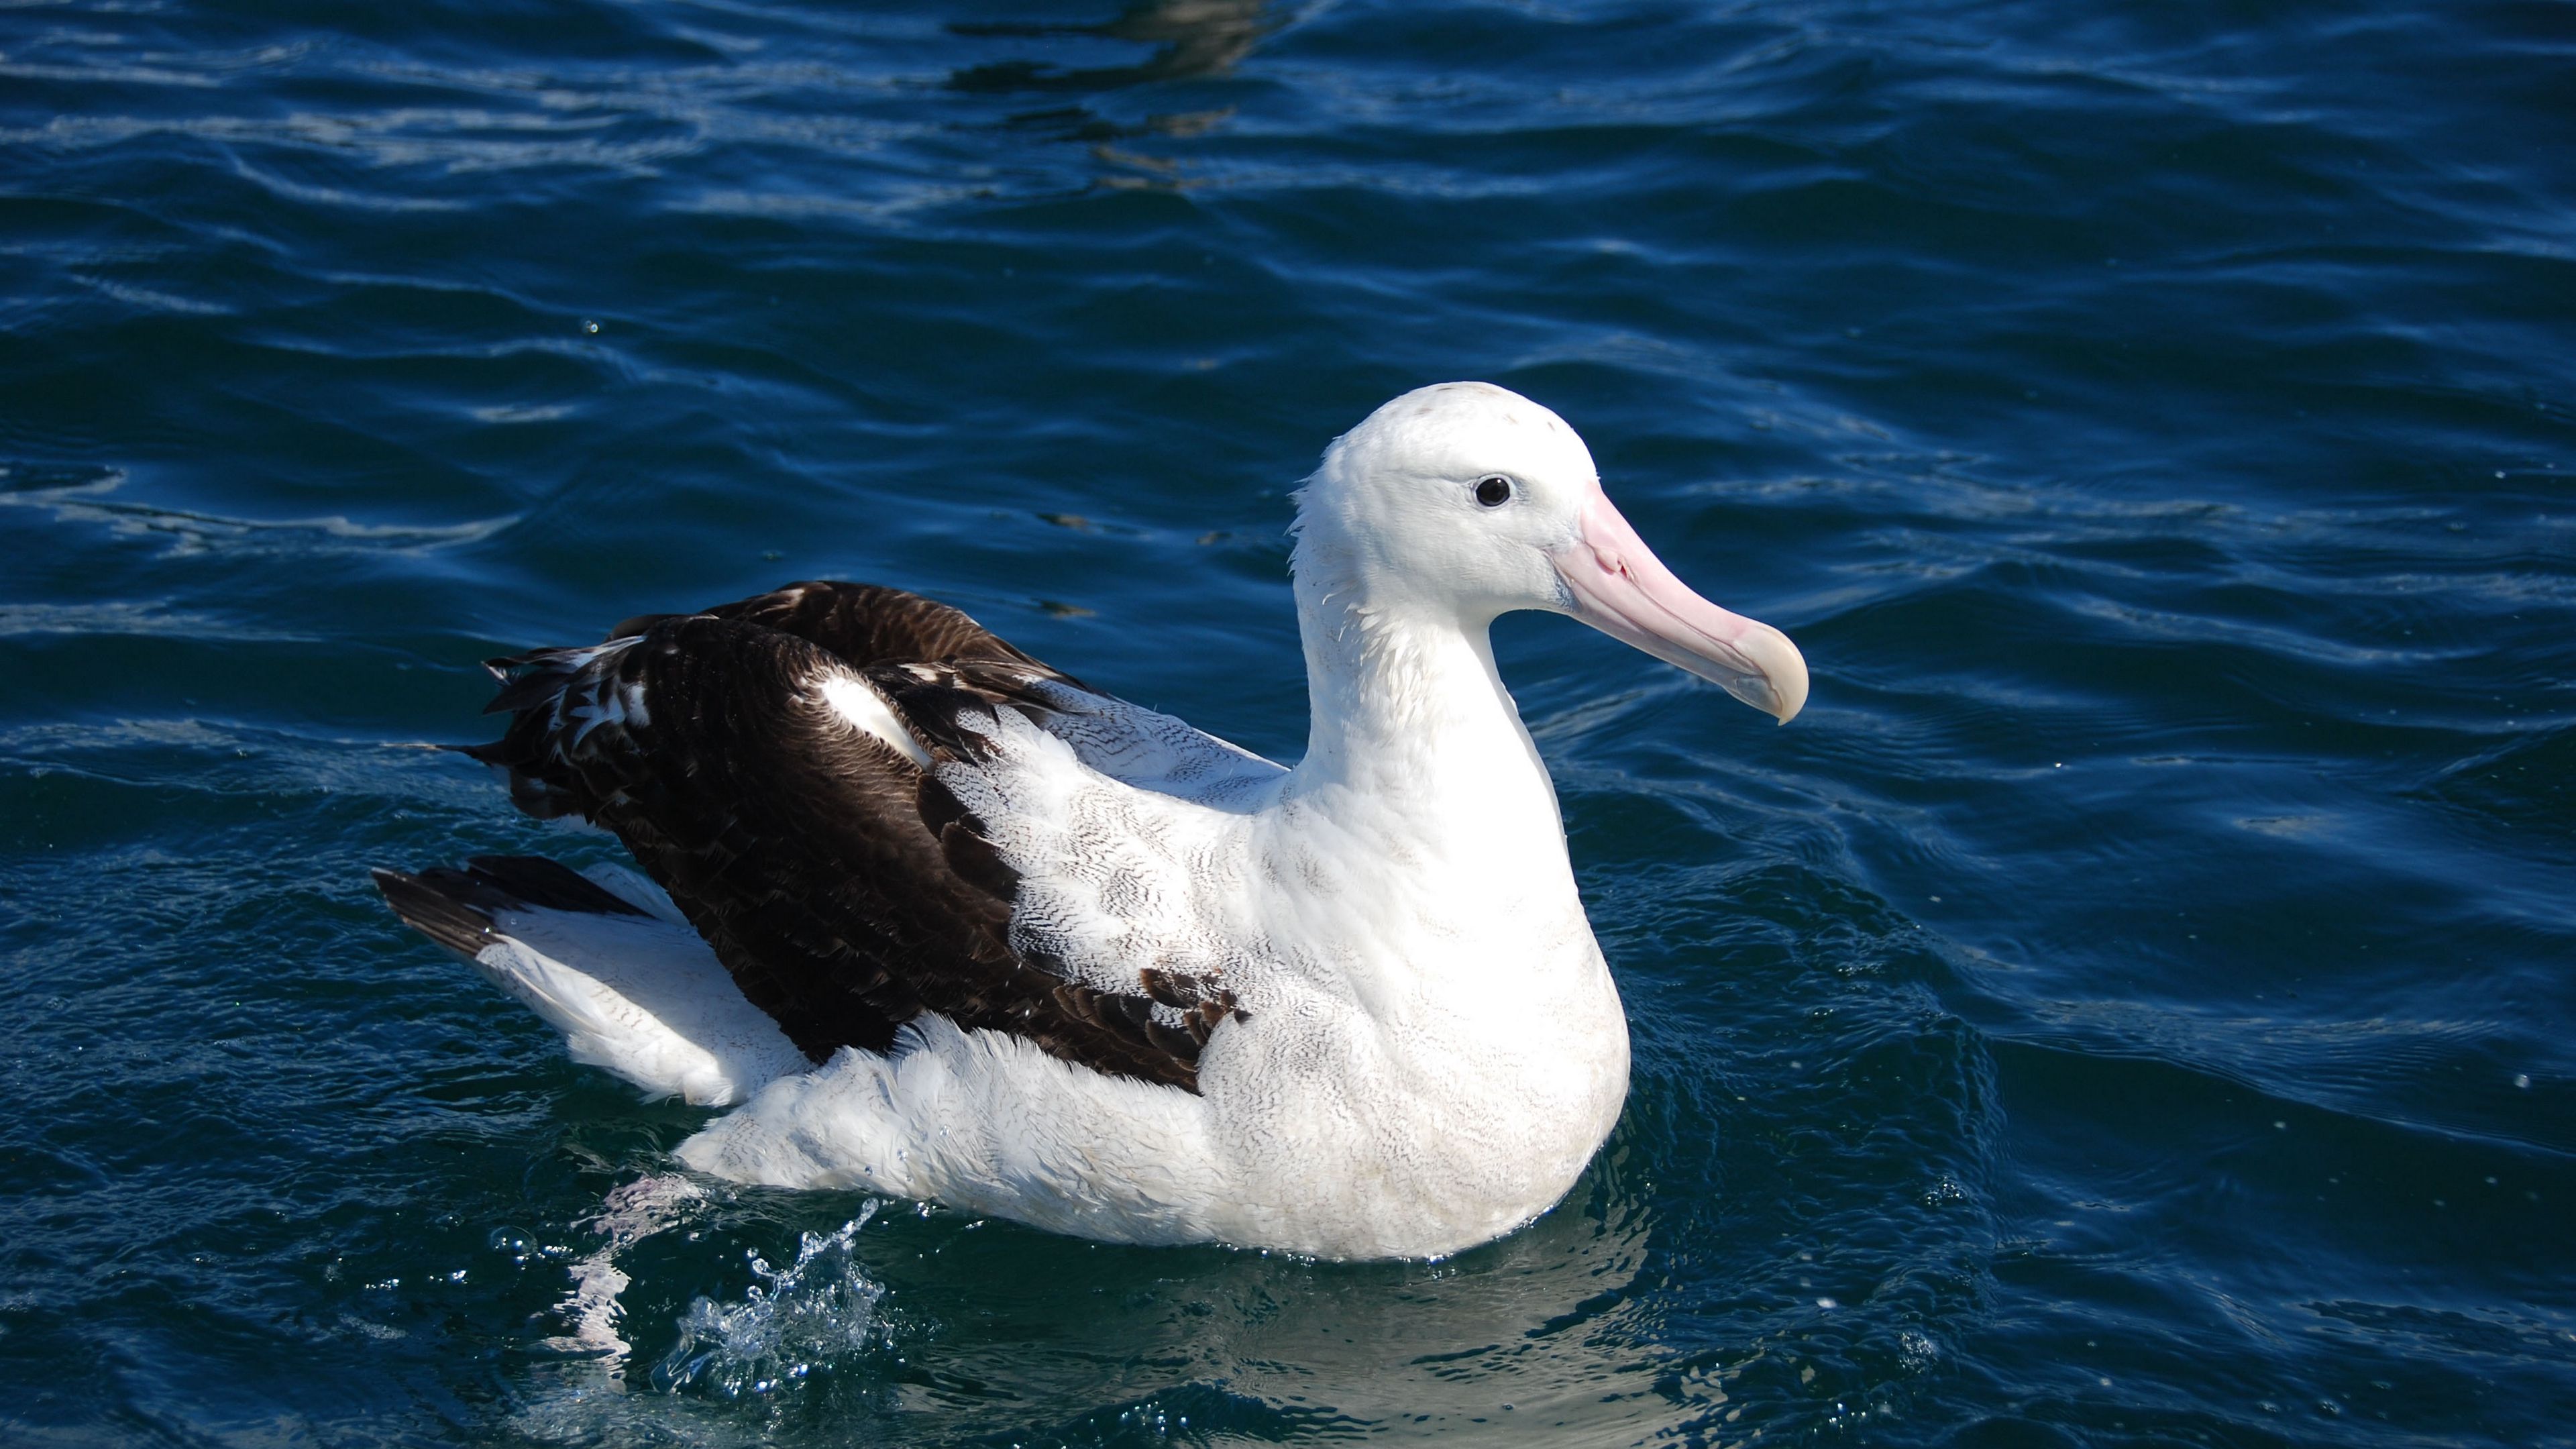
point(1438, 1028)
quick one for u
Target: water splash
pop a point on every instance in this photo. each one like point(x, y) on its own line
point(798, 1320)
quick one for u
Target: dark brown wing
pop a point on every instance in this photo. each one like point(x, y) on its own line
point(864, 625)
point(846, 889)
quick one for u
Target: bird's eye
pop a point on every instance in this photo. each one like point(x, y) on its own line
point(1494, 492)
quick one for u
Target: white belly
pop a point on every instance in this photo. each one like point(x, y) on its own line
point(1365, 1140)
point(1320, 1129)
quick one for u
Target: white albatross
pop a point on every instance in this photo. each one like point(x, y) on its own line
point(940, 922)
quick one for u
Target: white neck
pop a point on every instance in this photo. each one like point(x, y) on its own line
point(1414, 744)
point(1423, 813)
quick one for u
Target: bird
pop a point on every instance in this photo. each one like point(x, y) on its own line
point(938, 921)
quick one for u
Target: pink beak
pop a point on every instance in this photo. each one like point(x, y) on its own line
point(1623, 590)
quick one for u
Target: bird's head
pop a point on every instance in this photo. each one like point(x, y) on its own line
point(1468, 500)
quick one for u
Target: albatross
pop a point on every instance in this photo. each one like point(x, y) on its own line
point(939, 921)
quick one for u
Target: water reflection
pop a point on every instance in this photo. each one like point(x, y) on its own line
point(1194, 38)
point(1543, 1325)
point(1081, 123)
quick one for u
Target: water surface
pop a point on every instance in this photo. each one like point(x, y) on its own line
point(2131, 1006)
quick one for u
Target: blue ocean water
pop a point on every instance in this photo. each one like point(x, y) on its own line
point(2131, 1006)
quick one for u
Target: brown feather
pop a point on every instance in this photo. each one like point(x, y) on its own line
point(846, 891)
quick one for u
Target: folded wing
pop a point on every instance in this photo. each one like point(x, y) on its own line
point(783, 767)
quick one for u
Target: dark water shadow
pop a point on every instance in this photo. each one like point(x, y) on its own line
point(1193, 38)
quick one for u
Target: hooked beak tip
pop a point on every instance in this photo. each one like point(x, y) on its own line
point(1784, 669)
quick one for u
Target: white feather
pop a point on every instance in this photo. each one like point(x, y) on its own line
point(857, 701)
point(642, 997)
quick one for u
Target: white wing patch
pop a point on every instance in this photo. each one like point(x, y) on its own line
point(637, 891)
point(1151, 751)
point(1113, 878)
point(856, 701)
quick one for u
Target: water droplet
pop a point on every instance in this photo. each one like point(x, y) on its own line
point(799, 1318)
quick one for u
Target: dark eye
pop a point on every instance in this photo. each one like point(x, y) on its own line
point(1494, 492)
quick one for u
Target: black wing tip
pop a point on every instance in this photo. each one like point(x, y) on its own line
point(426, 907)
point(454, 907)
point(534, 880)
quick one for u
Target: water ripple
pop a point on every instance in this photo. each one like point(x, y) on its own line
point(2129, 1005)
